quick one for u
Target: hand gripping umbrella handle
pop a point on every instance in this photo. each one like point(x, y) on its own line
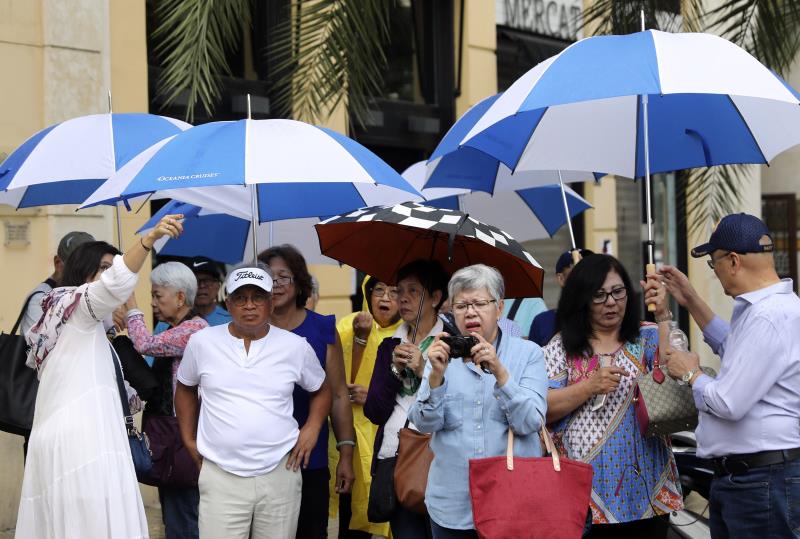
point(650, 269)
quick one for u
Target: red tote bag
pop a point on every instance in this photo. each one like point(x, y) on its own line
point(529, 497)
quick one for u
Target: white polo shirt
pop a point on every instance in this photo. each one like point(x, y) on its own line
point(246, 425)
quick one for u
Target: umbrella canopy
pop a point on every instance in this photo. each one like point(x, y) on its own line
point(707, 102)
point(455, 165)
point(66, 162)
point(379, 241)
point(226, 235)
point(507, 210)
point(300, 170)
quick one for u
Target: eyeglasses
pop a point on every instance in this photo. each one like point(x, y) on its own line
point(479, 305)
point(282, 281)
point(601, 296)
point(240, 300)
point(713, 262)
point(380, 291)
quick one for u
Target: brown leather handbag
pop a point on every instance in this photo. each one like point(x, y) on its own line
point(414, 457)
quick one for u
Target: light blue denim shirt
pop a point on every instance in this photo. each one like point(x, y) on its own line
point(754, 403)
point(470, 416)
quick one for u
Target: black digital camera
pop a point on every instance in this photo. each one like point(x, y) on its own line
point(460, 345)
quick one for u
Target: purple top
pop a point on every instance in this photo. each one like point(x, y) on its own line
point(383, 390)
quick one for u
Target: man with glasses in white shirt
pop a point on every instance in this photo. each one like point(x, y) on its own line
point(243, 437)
point(750, 414)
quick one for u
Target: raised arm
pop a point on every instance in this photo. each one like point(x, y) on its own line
point(169, 343)
point(116, 284)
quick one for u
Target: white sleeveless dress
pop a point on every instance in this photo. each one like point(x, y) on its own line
point(79, 477)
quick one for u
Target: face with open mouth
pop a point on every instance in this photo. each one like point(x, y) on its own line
point(383, 303)
point(476, 311)
point(607, 315)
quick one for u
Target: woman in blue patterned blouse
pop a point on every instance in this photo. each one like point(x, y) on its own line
point(592, 364)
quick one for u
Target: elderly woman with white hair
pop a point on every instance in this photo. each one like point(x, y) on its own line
point(459, 398)
point(174, 288)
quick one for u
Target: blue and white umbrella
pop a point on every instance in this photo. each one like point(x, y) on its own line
point(66, 162)
point(293, 170)
point(218, 225)
point(506, 209)
point(452, 164)
point(641, 103)
point(301, 170)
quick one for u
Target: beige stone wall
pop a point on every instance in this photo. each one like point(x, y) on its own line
point(65, 57)
point(479, 64)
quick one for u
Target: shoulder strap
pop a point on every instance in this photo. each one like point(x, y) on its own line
point(514, 308)
point(22, 311)
point(123, 395)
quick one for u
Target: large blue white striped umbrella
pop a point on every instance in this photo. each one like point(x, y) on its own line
point(300, 170)
point(708, 103)
point(66, 162)
point(292, 169)
point(641, 103)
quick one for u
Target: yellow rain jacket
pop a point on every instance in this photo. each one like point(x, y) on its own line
point(365, 429)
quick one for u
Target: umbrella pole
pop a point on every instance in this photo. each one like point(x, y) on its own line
point(253, 203)
point(116, 206)
point(119, 226)
point(419, 316)
point(650, 268)
point(254, 221)
point(576, 256)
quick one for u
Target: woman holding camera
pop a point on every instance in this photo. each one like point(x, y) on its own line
point(593, 364)
point(400, 361)
point(470, 410)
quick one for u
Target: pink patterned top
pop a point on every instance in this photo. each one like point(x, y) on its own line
point(169, 343)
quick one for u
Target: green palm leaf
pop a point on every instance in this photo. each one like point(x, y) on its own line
point(328, 52)
point(768, 29)
point(192, 39)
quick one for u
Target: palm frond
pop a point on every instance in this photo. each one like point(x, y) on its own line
point(711, 193)
point(328, 52)
point(624, 16)
point(768, 29)
point(192, 39)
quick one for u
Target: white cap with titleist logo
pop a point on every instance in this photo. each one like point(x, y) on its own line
point(248, 276)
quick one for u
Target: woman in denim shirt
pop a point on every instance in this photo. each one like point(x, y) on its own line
point(470, 411)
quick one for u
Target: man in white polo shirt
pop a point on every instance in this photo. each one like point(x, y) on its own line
point(246, 442)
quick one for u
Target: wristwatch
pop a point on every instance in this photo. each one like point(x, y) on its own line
point(687, 376)
point(396, 372)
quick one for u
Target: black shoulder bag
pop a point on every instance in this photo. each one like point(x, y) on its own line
point(140, 446)
point(18, 382)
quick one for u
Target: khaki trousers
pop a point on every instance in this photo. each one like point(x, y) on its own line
point(265, 506)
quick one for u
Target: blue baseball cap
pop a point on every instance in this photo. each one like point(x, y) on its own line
point(565, 260)
point(738, 233)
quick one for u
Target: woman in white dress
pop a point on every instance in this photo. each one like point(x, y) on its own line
point(79, 477)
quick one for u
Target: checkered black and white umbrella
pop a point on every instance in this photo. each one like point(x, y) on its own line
point(380, 240)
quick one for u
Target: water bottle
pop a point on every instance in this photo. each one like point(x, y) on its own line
point(677, 338)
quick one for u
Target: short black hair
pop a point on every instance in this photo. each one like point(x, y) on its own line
point(430, 274)
point(573, 317)
point(84, 262)
point(297, 265)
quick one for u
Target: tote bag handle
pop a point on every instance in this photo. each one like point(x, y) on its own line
point(548, 443)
